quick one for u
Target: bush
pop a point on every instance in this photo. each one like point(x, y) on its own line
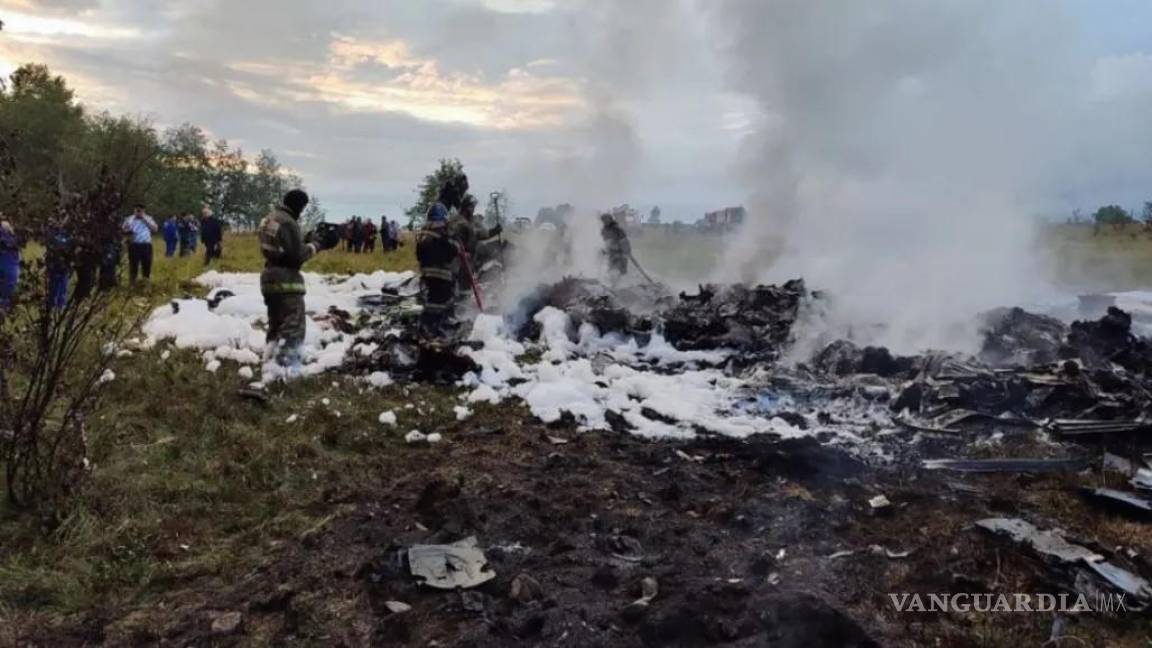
point(56, 344)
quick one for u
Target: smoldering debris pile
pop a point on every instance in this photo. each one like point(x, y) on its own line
point(1039, 397)
point(1015, 337)
point(1090, 378)
point(1031, 367)
point(757, 320)
point(842, 358)
point(625, 311)
point(1036, 369)
point(754, 321)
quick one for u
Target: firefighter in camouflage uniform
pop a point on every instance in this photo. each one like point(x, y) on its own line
point(438, 254)
point(285, 250)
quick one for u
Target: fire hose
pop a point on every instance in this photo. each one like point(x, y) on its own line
point(466, 263)
point(637, 264)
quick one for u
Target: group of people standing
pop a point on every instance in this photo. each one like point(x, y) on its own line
point(182, 233)
point(94, 259)
point(359, 235)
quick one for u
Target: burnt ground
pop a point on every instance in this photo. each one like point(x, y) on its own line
point(737, 535)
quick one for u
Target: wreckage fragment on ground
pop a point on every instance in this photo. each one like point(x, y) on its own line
point(1052, 545)
point(756, 320)
point(1094, 380)
point(842, 358)
point(1013, 337)
point(627, 311)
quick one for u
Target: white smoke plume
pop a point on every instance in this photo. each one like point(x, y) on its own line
point(904, 151)
point(629, 53)
point(901, 157)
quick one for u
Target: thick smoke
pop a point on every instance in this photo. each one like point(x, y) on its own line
point(904, 152)
point(901, 157)
point(628, 53)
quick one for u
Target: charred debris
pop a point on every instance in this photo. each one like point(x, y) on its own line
point(1040, 397)
point(755, 320)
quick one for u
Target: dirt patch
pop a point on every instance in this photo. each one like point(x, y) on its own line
point(738, 536)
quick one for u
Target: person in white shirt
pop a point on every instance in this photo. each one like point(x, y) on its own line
point(139, 227)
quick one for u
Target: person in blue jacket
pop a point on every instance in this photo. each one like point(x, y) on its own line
point(58, 258)
point(171, 236)
point(9, 263)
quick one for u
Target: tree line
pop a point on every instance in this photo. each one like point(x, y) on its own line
point(497, 207)
point(61, 147)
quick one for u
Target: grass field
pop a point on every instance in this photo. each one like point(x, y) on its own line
point(242, 254)
point(1110, 260)
point(189, 481)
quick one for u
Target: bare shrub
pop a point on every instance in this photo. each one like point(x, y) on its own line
point(53, 351)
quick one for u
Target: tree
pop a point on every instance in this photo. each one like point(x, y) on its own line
point(1113, 215)
point(127, 151)
point(227, 182)
point(545, 215)
point(42, 110)
point(59, 150)
point(429, 190)
point(654, 216)
point(313, 215)
point(1146, 215)
point(266, 187)
point(185, 169)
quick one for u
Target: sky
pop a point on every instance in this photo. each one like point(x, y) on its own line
point(590, 102)
point(362, 98)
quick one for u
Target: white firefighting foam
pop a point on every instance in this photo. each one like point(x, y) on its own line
point(653, 389)
point(598, 375)
point(234, 329)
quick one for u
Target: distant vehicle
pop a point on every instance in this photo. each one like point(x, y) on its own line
point(546, 227)
point(521, 223)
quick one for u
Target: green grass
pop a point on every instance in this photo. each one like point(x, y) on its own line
point(190, 480)
point(242, 254)
point(1110, 259)
point(174, 276)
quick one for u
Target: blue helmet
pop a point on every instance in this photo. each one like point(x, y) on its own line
point(437, 214)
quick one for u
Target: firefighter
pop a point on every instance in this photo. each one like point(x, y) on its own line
point(438, 254)
point(282, 285)
point(474, 238)
point(617, 249)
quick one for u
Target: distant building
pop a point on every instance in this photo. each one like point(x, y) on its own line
point(626, 216)
point(723, 219)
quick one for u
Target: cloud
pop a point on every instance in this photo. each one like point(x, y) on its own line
point(40, 28)
point(48, 7)
point(590, 101)
point(418, 86)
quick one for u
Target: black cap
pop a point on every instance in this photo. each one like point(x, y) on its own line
point(296, 200)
